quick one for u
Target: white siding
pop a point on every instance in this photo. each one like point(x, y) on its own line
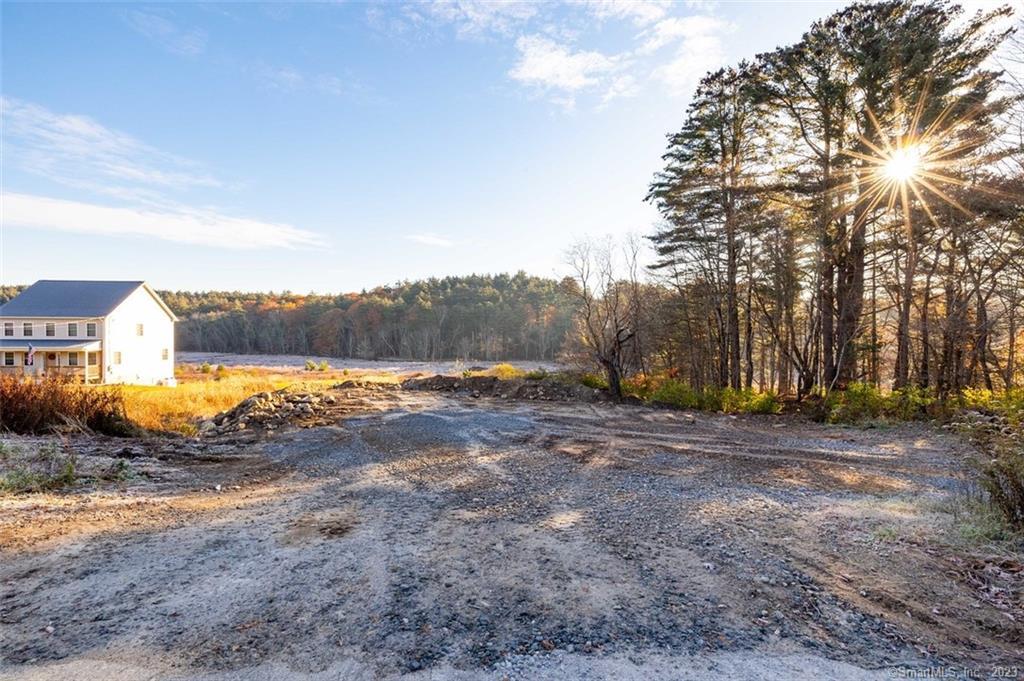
point(141, 356)
point(60, 328)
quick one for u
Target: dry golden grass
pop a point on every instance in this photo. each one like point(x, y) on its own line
point(201, 395)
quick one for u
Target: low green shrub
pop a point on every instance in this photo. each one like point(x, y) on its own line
point(681, 395)
point(205, 368)
point(538, 374)
point(594, 381)
point(746, 401)
point(909, 403)
point(677, 394)
point(860, 401)
point(763, 403)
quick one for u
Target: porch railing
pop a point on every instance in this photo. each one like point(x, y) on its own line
point(86, 374)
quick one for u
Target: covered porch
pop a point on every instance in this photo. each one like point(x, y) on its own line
point(81, 360)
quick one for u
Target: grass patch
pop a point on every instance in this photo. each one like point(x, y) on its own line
point(202, 394)
point(886, 534)
point(41, 470)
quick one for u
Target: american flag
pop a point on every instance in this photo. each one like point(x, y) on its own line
point(31, 355)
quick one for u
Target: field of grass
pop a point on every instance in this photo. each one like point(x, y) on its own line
point(201, 394)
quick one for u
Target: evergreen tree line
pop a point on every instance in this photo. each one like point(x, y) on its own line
point(848, 209)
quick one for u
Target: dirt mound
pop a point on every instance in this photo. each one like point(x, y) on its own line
point(548, 389)
point(268, 411)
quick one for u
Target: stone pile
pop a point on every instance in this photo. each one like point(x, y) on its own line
point(979, 422)
point(269, 411)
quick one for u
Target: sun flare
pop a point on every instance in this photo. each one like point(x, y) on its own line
point(903, 163)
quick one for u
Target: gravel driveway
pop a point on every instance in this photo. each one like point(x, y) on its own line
point(432, 537)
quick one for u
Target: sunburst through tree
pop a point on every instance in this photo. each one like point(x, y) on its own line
point(913, 162)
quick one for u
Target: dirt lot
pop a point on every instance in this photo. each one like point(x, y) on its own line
point(438, 537)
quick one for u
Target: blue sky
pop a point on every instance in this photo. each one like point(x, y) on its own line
point(332, 147)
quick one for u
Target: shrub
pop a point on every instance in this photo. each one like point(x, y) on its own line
point(323, 365)
point(41, 406)
point(639, 386)
point(506, 372)
point(746, 401)
point(858, 402)
point(1001, 472)
point(46, 468)
point(594, 381)
point(205, 368)
point(712, 399)
point(907, 404)
point(538, 374)
point(677, 394)
point(763, 403)
point(310, 365)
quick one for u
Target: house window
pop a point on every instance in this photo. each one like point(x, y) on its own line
point(138, 329)
point(164, 354)
point(51, 329)
point(72, 359)
point(117, 358)
point(73, 329)
point(26, 329)
point(91, 358)
point(8, 359)
point(8, 328)
point(90, 329)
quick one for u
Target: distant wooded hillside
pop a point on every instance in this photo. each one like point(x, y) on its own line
point(486, 317)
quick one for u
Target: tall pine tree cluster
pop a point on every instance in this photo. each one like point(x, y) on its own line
point(850, 208)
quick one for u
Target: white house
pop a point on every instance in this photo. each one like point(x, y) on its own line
point(97, 331)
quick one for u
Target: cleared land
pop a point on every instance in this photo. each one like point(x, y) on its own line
point(441, 537)
point(297, 362)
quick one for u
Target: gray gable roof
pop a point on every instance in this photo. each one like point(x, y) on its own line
point(56, 298)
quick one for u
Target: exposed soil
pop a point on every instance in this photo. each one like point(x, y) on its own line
point(445, 537)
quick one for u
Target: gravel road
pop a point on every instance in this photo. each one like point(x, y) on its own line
point(431, 537)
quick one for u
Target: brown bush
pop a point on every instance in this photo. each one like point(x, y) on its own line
point(54, 402)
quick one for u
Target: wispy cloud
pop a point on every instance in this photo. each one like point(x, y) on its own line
point(673, 29)
point(150, 186)
point(163, 31)
point(478, 18)
point(288, 79)
point(78, 151)
point(184, 225)
point(430, 239)
point(699, 50)
point(552, 56)
point(639, 12)
point(556, 68)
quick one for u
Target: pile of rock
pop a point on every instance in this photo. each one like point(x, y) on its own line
point(548, 390)
point(983, 423)
point(270, 411)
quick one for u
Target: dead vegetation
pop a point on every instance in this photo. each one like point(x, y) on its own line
point(58, 403)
